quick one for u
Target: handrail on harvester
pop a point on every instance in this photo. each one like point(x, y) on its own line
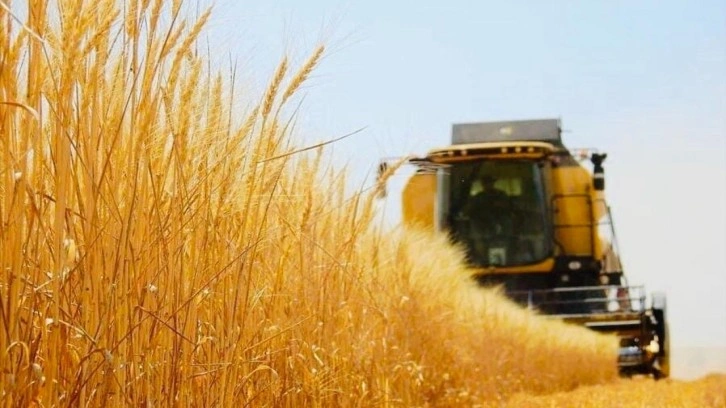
point(613, 299)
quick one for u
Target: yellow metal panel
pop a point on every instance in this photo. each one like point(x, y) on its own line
point(419, 196)
point(578, 208)
point(573, 215)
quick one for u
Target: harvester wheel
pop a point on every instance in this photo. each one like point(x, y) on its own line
point(661, 366)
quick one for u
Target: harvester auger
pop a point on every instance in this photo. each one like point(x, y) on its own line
point(533, 219)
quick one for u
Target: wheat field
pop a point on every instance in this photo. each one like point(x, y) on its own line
point(160, 245)
point(708, 391)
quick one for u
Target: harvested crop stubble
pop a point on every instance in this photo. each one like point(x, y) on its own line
point(159, 247)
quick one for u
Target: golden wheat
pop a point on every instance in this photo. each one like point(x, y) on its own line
point(159, 248)
point(707, 392)
point(302, 75)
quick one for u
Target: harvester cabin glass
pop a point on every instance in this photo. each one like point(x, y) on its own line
point(498, 210)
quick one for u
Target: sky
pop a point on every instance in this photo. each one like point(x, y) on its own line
point(644, 81)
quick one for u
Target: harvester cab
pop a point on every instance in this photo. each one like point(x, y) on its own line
point(532, 218)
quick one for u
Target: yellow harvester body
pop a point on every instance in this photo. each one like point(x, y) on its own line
point(532, 217)
point(577, 204)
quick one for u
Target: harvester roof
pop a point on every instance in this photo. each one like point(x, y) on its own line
point(542, 130)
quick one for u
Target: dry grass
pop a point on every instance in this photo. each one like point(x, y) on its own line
point(159, 248)
point(708, 392)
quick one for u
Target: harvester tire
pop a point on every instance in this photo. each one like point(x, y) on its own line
point(661, 368)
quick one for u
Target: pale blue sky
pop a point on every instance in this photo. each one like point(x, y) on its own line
point(644, 81)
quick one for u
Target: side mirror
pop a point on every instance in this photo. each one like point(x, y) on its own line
point(598, 176)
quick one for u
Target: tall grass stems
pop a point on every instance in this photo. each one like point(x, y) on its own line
point(160, 248)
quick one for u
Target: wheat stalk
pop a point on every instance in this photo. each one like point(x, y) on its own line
point(303, 73)
point(154, 250)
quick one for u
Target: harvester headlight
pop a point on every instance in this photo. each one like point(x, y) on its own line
point(653, 347)
point(565, 277)
point(574, 265)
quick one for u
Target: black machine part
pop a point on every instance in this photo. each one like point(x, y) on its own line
point(598, 172)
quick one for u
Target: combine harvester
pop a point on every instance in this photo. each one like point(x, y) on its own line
point(533, 219)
